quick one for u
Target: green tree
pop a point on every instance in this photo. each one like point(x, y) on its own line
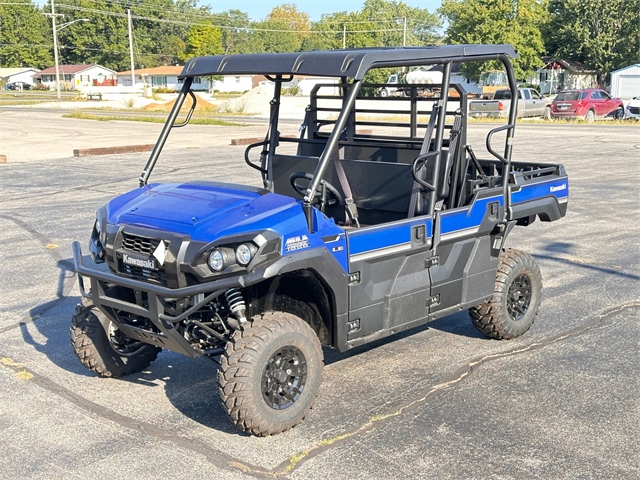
point(235, 35)
point(104, 39)
point(26, 39)
point(293, 18)
point(202, 40)
point(515, 22)
point(274, 36)
point(603, 34)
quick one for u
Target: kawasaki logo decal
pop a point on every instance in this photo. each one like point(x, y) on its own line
point(558, 188)
point(149, 263)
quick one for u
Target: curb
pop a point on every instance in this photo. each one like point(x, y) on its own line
point(86, 152)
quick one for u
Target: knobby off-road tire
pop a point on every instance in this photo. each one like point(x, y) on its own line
point(516, 298)
point(270, 374)
point(108, 356)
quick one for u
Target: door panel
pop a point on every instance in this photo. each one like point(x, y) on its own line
point(389, 279)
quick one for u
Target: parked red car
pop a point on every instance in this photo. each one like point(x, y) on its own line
point(589, 104)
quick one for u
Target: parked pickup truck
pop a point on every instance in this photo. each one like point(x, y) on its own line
point(530, 104)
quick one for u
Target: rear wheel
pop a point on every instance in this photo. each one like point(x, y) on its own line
point(516, 298)
point(590, 116)
point(384, 92)
point(270, 374)
point(103, 348)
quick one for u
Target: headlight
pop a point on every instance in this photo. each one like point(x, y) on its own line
point(218, 260)
point(244, 252)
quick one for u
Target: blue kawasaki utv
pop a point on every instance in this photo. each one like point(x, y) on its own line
point(354, 234)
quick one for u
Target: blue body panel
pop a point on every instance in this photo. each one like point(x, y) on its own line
point(208, 213)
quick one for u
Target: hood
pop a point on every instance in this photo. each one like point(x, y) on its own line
point(196, 209)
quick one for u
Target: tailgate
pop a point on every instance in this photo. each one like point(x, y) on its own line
point(540, 190)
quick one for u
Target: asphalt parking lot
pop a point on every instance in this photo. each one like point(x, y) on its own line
point(561, 402)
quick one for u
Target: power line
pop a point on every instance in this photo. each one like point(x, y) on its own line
point(225, 27)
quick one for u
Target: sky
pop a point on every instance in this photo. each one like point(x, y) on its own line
point(259, 9)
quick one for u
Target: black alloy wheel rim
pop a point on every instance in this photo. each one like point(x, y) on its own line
point(519, 297)
point(284, 377)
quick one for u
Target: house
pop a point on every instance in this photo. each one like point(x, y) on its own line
point(77, 77)
point(17, 75)
point(625, 82)
point(559, 74)
point(304, 84)
point(233, 83)
point(160, 77)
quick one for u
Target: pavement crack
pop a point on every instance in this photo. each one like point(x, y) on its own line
point(447, 383)
point(213, 455)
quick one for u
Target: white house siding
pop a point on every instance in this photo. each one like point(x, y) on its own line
point(625, 83)
point(232, 83)
point(82, 81)
point(552, 80)
point(15, 75)
point(154, 80)
point(468, 85)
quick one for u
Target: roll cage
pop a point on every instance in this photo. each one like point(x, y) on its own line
point(350, 66)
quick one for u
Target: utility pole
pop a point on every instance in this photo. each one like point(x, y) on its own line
point(133, 75)
point(404, 33)
point(344, 36)
point(53, 16)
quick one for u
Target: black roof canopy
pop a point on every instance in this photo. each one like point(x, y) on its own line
point(339, 63)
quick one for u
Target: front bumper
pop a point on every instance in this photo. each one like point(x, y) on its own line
point(166, 335)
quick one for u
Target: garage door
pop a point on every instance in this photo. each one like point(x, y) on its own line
point(629, 86)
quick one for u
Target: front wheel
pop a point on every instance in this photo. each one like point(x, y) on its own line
point(619, 114)
point(103, 348)
point(590, 116)
point(384, 92)
point(270, 374)
point(516, 298)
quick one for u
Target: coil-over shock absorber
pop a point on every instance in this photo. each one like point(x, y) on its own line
point(238, 307)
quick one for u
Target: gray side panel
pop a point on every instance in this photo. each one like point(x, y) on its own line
point(446, 277)
point(480, 272)
point(408, 296)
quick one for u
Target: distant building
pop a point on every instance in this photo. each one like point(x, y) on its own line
point(77, 77)
point(233, 83)
point(17, 75)
point(625, 82)
point(163, 77)
point(559, 74)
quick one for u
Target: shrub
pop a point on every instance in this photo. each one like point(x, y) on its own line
point(164, 90)
point(292, 90)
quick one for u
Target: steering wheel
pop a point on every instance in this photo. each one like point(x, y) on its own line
point(327, 195)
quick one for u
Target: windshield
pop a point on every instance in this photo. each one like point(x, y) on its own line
point(568, 96)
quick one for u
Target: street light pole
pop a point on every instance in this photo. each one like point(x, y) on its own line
point(56, 29)
point(133, 75)
point(55, 45)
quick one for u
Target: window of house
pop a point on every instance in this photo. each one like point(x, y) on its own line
point(237, 79)
point(197, 80)
point(158, 81)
